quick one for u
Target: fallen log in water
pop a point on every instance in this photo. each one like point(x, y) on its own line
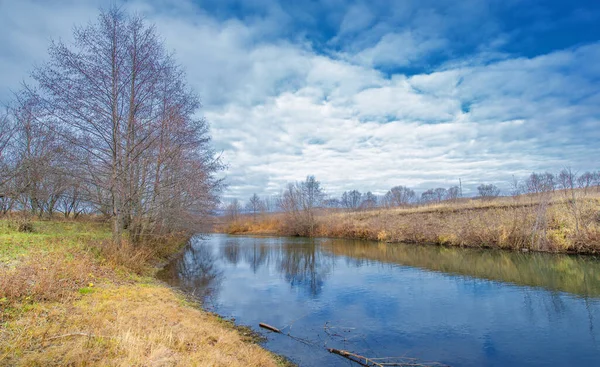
point(354, 357)
point(383, 362)
point(269, 327)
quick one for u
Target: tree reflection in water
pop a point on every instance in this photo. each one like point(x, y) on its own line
point(195, 270)
point(578, 275)
point(230, 251)
point(301, 263)
point(305, 267)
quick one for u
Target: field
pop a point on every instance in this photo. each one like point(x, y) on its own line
point(553, 222)
point(69, 297)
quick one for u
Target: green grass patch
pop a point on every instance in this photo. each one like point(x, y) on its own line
point(45, 236)
point(86, 290)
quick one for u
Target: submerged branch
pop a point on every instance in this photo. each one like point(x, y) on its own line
point(357, 358)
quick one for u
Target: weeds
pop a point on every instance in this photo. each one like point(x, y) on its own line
point(70, 297)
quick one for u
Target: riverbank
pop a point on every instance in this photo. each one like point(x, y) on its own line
point(549, 223)
point(68, 297)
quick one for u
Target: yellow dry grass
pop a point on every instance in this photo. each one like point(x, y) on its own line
point(553, 222)
point(131, 325)
point(68, 299)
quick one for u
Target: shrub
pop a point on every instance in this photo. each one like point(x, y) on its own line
point(47, 277)
point(21, 223)
point(136, 258)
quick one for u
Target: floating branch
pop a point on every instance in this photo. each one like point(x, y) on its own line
point(357, 358)
point(372, 362)
point(354, 357)
point(269, 327)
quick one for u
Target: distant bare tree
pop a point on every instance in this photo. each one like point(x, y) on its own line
point(489, 191)
point(440, 194)
point(233, 209)
point(254, 206)
point(39, 158)
point(351, 199)
point(72, 202)
point(453, 193)
point(6, 166)
point(369, 201)
point(516, 188)
point(332, 203)
point(540, 182)
point(566, 179)
point(585, 181)
point(300, 201)
point(428, 196)
point(399, 196)
point(6, 134)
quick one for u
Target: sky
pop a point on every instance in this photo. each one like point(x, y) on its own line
point(366, 95)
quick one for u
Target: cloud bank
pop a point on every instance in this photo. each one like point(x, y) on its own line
point(367, 95)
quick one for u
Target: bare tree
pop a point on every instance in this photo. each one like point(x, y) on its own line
point(6, 166)
point(369, 201)
point(351, 200)
point(428, 196)
point(440, 194)
point(233, 210)
point(489, 191)
point(567, 182)
point(332, 203)
point(585, 181)
point(38, 157)
point(540, 182)
point(300, 201)
point(453, 193)
point(254, 205)
point(399, 196)
point(120, 102)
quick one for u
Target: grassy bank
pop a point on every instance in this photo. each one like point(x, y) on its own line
point(69, 297)
point(551, 222)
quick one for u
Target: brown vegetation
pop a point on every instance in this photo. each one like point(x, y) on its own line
point(70, 296)
point(540, 222)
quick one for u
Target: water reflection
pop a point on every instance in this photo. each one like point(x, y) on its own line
point(256, 255)
point(305, 266)
point(196, 270)
point(455, 306)
point(579, 275)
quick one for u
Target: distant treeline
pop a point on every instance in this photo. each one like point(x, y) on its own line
point(543, 212)
point(402, 196)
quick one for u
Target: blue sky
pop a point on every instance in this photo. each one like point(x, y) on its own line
point(367, 95)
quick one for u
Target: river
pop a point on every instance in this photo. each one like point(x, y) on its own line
point(457, 307)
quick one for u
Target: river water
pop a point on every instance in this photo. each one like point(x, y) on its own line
point(457, 307)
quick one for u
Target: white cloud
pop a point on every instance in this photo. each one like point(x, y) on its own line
point(281, 110)
point(398, 49)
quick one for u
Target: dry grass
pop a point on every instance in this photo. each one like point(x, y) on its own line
point(538, 223)
point(69, 297)
point(140, 325)
point(49, 276)
point(263, 224)
point(137, 259)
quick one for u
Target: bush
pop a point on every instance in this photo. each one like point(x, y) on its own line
point(47, 277)
point(21, 224)
point(127, 255)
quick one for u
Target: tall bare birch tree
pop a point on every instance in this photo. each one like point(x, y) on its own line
point(125, 109)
